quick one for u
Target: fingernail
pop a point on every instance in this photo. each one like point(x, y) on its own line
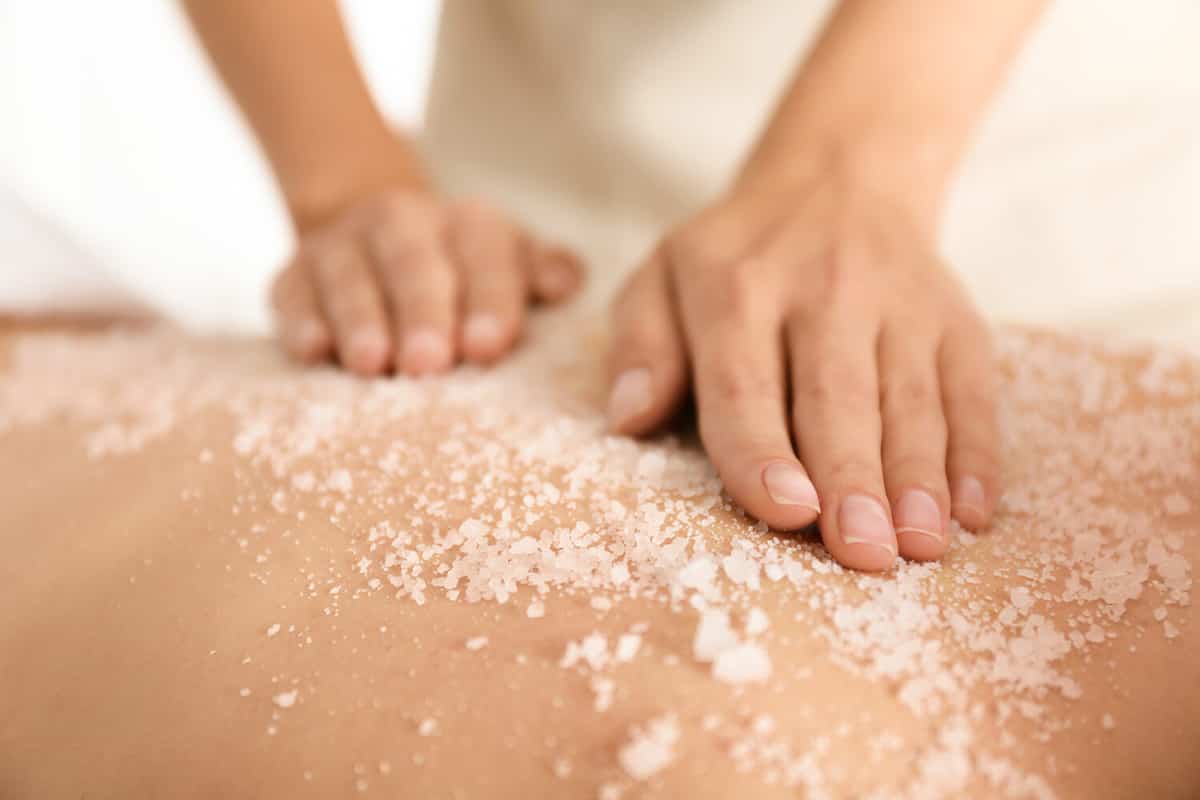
point(789, 486)
point(864, 521)
point(969, 494)
point(918, 512)
point(425, 350)
point(630, 397)
point(482, 331)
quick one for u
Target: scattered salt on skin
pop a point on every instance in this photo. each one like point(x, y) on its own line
point(477, 642)
point(1079, 566)
point(651, 747)
point(285, 699)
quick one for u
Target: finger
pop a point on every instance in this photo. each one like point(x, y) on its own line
point(647, 361)
point(298, 318)
point(835, 412)
point(557, 273)
point(491, 259)
point(421, 287)
point(914, 439)
point(733, 330)
point(351, 301)
point(972, 455)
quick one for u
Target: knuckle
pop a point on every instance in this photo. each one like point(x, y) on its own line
point(725, 385)
point(912, 465)
point(834, 384)
point(908, 392)
point(853, 471)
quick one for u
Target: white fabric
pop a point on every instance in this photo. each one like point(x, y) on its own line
point(602, 122)
point(1078, 205)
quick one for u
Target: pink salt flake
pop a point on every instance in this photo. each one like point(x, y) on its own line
point(651, 748)
point(604, 689)
point(714, 635)
point(627, 647)
point(745, 663)
point(340, 481)
point(757, 622)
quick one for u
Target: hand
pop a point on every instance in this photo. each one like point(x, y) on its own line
point(833, 296)
point(407, 281)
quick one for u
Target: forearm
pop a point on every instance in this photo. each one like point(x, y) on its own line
point(892, 91)
point(289, 65)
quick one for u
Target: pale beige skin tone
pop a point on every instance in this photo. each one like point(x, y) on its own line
point(109, 609)
point(815, 275)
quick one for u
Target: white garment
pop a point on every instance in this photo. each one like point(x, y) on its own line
point(600, 122)
point(603, 122)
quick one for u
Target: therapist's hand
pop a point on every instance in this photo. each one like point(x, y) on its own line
point(839, 370)
point(408, 282)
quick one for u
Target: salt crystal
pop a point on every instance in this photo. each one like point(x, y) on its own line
point(272, 630)
point(340, 481)
point(1020, 598)
point(285, 699)
point(562, 768)
point(604, 689)
point(477, 642)
point(713, 635)
point(650, 749)
point(745, 663)
point(757, 622)
point(1108, 723)
point(535, 610)
point(244, 692)
point(427, 726)
point(206, 456)
point(627, 647)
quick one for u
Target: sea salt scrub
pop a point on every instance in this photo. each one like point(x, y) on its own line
point(490, 506)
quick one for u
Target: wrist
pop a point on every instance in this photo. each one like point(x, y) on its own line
point(317, 189)
point(910, 169)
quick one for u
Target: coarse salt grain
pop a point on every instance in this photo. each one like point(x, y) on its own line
point(651, 747)
point(745, 663)
point(477, 642)
point(285, 699)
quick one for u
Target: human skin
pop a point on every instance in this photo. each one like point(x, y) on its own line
point(131, 617)
point(814, 276)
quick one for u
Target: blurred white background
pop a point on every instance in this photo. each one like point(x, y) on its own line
point(118, 149)
point(126, 177)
